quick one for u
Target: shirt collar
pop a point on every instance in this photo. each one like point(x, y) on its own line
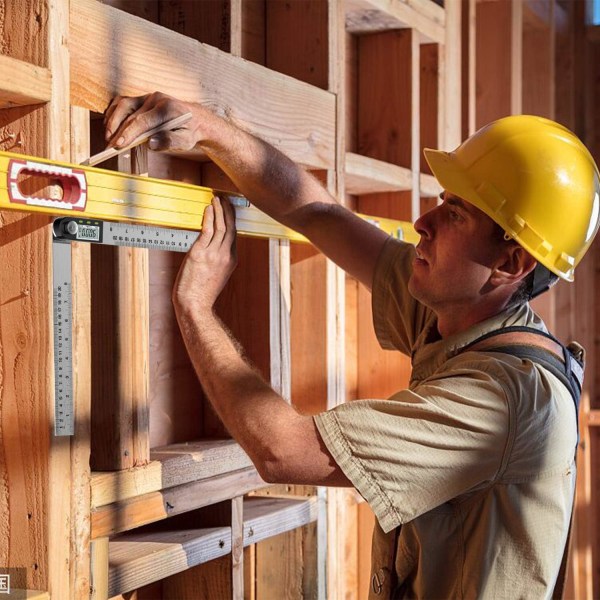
point(428, 356)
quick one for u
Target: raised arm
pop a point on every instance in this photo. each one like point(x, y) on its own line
point(268, 178)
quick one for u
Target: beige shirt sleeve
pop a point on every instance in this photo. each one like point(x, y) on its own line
point(398, 318)
point(424, 447)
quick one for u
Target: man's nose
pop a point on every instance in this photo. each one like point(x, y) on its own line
point(425, 224)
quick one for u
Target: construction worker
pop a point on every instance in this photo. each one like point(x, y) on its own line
point(470, 471)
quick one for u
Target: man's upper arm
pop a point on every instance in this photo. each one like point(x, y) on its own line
point(351, 242)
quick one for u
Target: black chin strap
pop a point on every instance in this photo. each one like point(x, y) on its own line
point(543, 280)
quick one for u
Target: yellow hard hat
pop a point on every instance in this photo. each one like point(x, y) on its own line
point(535, 179)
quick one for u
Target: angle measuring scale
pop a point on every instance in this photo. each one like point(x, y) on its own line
point(65, 231)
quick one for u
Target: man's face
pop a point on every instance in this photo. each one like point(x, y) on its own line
point(459, 246)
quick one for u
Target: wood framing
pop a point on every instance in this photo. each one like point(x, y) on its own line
point(351, 90)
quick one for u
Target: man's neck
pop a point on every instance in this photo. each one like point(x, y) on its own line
point(453, 320)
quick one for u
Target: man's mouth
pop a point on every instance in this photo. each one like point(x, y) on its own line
point(419, 257)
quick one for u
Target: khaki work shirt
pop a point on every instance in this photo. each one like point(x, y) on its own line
point(475, 460)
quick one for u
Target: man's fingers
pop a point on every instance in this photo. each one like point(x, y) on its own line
point(155, 110)
point(229, 214)
point(206, 235)
point(118, 110)
point(220, 228)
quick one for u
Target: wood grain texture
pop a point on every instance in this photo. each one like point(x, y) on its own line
point(156, 506)
point(296, 117)
point(426, 17)
point(34, 497)
point(120, 318)
point(99, 569)
point(138, 559)
point(429, 104)
point(23, 83)
point(297, 40)
point(170, 466)
point(80, 444)
point(494, 78)
point(209, 580)
point(308, 329)
point(208, 22)
point(365, 175)
point(267, 517)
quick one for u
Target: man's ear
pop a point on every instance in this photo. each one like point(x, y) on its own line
point(514, 266)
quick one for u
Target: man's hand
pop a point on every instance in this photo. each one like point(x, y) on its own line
point(129, 117)
point(210, 262)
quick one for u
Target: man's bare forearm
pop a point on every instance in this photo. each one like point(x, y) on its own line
point(268, 178)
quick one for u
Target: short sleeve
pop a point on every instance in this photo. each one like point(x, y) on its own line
point(418, 450)
point(397, 317)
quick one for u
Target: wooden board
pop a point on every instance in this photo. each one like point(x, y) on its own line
point(497, 81)
point(171, 466)
point(156, 506)
point(426, 17)
point(138, 559)
point(287, 111)
point(23, 83)
point(268, 517)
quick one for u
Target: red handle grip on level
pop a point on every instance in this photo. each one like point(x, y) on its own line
point(72, 183)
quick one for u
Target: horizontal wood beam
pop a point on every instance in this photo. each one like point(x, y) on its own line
point(156, 506)
point(267, 517)
point(138, 559)
point(365, 175)
point(425, 16)
point(23, 83)
point(429, 186)
point(109, 56)
point(171, 466)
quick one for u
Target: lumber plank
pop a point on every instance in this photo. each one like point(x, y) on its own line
point(237, 548)
point(424, 16)
point(451, 83)
point(429, 186)
point(206, 580)
point(80, 444)
point(170, 466)
point(365, 175)
point(29, 594)
point(120, 328)
point(23, 83)
point(99, 569)
point(138, 559)
point(267, 517)
point(296, 117)
point(430, 66)
point(497, 64)
point(207, 22)
point(156, 506)
point(296, 40)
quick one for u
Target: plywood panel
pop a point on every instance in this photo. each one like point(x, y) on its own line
point(308, 330)
point(494, 79)
point(297, 40)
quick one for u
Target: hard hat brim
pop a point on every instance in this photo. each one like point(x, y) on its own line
point(450, 175)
